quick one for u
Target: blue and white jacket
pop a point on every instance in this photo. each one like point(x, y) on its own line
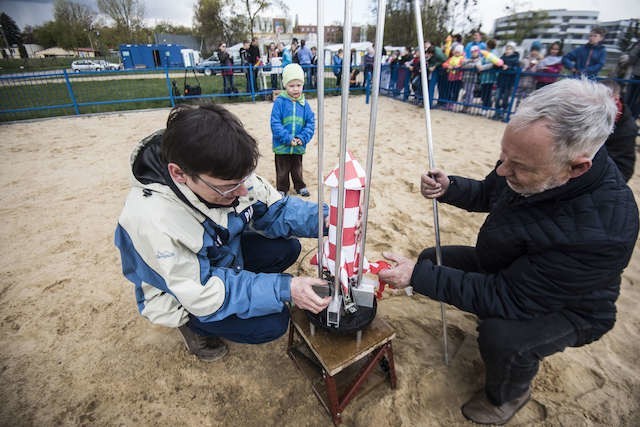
point(184, 257)
point(289, 119)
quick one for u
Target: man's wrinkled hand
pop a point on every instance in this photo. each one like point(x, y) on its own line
point(303, 295)
point(399, 275)
point(434, 183)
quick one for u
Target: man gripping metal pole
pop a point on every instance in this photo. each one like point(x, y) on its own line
point(427, 115)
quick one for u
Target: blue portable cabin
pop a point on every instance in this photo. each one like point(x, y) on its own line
point(151, 55)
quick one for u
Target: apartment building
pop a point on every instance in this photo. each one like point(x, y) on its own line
point(571, 27)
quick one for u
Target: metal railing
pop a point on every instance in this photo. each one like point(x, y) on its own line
point(495, 94)
point(60, 93)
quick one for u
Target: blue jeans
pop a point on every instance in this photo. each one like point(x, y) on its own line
point(261, 255)
point(512, 349)
point(433, 82)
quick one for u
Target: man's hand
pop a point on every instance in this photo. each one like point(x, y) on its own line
point(434, 183)
point(398, 276)
point(303, 295)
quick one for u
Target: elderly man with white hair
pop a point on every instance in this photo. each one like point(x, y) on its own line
point(546, 268)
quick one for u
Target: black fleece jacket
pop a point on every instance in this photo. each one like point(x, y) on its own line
point(562, 250)
point(621, 144)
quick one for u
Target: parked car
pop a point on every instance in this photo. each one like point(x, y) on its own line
point(109, 65)
point(209, 66)
point(86, 65)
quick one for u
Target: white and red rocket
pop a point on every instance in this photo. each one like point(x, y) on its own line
point(355, 180)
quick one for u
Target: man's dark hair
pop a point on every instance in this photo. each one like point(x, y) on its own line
point(599, 30)
point(208, 139)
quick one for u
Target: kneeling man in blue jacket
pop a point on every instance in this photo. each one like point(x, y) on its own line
point(561, 227)
point(205, 240)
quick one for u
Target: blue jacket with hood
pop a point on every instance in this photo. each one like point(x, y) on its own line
point(185, 257)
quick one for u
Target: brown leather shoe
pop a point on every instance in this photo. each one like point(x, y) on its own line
point(479, 410)
point(207, 349)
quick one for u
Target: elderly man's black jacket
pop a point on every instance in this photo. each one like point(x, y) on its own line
point(562, 250)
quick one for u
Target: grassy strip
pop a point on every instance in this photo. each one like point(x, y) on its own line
point(42, 97)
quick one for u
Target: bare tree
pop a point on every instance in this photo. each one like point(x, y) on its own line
point(252, 8)
point(73, 22)
point(400, 21)
point(208, 22)
point(128, 15)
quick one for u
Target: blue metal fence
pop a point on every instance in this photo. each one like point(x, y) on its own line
point(496, 94)
point(59, 93)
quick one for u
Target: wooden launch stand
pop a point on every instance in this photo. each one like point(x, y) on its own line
point(341, 366)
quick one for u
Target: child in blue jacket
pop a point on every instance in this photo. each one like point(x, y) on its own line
point(292, 126)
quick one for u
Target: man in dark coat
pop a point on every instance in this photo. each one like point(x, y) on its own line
point(253, 57)
point(621, 144)
point(545, 272)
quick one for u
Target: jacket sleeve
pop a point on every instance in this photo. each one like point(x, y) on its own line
point(486, 65)
point(281, 134)
point(172, 273)
point(290, 216)
point(530, 286)
point(470, 194)
point(569, 60)
point(439, 57)
point(306, 133)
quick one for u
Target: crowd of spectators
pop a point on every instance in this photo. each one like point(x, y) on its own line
point(480, 78)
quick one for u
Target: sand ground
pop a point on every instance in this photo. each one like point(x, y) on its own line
point(74, 351)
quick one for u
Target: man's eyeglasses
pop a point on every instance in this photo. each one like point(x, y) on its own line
point(227, 189)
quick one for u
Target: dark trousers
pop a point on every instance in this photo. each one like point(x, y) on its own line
point(227, 83)
point(503, 93)
point(511, 349)
point(433, 82)
point(289, 164)
point(261, 255)
point(485, 94)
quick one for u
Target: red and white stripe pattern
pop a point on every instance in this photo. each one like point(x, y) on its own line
point(354, 182)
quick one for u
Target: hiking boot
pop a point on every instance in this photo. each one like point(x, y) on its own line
point(303, 192)
point(207, 349)
point(481, 411)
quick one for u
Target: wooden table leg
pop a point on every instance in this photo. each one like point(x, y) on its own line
point(332, 393)
point(291, 332)
point(392, 366)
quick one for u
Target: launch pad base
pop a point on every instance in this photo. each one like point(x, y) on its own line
point(340, 366)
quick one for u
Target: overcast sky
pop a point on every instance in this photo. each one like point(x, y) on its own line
point(36, 12)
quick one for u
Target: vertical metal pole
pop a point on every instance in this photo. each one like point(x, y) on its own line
point(346, 66)
point(372, 129)
point(172, 97)
point(427, 113)
point(72, 96)
point(320, 127)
